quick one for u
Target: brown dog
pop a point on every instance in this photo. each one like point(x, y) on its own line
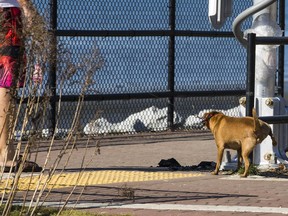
point(241, 134)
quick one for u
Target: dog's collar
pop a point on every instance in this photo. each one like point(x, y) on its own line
point(209, 116)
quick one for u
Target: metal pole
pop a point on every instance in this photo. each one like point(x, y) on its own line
point(53, 62)
point(171, 64)
point(281, 49)
point(250, 81)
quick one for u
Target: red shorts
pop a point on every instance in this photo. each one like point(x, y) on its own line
point(11, 48)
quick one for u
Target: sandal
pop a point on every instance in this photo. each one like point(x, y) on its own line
point(28, 166)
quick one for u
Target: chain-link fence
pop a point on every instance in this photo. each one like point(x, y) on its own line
point(155, 64)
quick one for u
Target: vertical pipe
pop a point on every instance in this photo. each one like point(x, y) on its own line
point(266, 57)
point(171, 64)
point(281, 52)
point(53, 62)
point(250, 80)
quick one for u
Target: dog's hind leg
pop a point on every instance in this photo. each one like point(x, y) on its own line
point(220, 151)
point(274, 142)
point(247, 165)
point(245, 155)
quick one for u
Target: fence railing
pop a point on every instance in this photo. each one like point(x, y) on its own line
point(251, 59)
point(171, 92)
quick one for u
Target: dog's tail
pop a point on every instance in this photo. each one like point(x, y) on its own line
point(257, 127)
point(256, 120)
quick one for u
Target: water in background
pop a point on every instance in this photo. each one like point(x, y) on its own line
point(140, 64)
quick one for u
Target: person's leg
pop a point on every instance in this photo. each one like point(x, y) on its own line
point(10, 77)
point(7, 150)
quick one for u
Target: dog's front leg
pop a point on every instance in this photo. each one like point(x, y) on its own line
point(219, 160)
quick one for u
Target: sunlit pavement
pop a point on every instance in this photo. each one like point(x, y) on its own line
point(125, 178)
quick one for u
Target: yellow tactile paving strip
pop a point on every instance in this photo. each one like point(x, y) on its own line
point(94, 178)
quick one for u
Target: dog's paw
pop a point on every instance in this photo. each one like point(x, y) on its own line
point(214, 173)
point(243, 176)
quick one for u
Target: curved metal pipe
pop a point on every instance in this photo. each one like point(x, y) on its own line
point(236, 27)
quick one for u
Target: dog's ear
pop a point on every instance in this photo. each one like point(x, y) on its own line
point(208, 116)
point(205, 115)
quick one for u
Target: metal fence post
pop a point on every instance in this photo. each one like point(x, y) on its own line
point(171, 64)
point(250, 81)
point(281, 50)
point(53, 63)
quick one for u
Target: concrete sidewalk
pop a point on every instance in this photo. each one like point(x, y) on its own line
point(141, 188)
